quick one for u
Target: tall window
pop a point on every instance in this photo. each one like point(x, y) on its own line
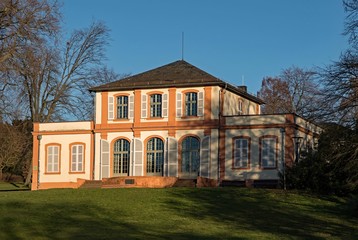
point(241, 152)
point(155, 157)
point(190, 156)
point(77, 153)
point(240, 107)
point(156, 105)
point(121, 158)
point(122, 107)
point(268, 152)
point(53, 159)
point(191, 104)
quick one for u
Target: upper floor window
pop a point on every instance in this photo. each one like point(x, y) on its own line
point(241, 152)
point(156, 105)
point(122, 107)
point(268, 152)
point(191, 104)
point(53, 159)
point(77, 153)
point(240, 108)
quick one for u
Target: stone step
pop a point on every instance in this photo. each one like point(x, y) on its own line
point(92, 184)
point(185, 183)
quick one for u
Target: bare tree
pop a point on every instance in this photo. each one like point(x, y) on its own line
point(340, 79)
point(294, 91)
point(341, 90)
point(24, 21)
point(11, 147)
point(351, 23)
point(53, 83)
point(275, 92)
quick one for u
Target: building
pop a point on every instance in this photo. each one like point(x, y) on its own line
point(173, 122)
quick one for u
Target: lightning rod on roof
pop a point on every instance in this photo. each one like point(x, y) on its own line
point(182, 45)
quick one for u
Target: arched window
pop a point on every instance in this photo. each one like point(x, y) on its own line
point(190, 157)
point(121, 158)
point(155, 157)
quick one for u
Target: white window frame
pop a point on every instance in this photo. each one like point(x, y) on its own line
point(155, 105)
point(124, 106)
point(240, 111)
point(53, 159)
point(191, 104)
point(77, 158)
point(241, 153)
point(268, 152)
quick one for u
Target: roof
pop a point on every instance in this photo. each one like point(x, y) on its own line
point(176, 74)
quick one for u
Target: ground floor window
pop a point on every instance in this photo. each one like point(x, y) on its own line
point(121, 158)
point(53, 159)
point(77, 153)
point(155, 157)
point(241, 152)
point(190, 157)
point(268, 151)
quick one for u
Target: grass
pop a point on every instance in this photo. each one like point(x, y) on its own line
point(13, 186)
point(173, 213)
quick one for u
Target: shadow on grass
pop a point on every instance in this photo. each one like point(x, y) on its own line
point(61, 221)
point(98, 214)
point(177, 213)
point(261, 213)
point(11, 186)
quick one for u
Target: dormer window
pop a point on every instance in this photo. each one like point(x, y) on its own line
point(191, 104)
point(122, 107)
point(156, 105)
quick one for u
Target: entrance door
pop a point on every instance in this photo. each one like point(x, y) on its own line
point(190, 158)
point(121, 158)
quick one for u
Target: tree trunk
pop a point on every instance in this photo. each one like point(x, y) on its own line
point(29, 176)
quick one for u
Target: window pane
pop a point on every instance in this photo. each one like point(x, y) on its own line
point(268, 157)
point(121, 157)
point(241, 152)
point(190, 155)
point(122, 107)
point(191, 104)
point(155, 156)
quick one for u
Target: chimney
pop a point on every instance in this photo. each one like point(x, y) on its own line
point(242, 88)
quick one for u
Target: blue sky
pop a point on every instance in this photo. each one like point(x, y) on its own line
point(230, 39)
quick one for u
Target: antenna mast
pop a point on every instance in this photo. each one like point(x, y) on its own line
point(182, 46)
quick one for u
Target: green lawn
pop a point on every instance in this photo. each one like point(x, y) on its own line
point(173, 213)
point(6, 186)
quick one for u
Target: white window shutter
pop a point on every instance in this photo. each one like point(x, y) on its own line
point(131, 107)
point(144, 106)
point(165, 105)
point(200, 104)
point(105, 158)
point(179, 104)
point(110, 108)
point(138, 157)
point(172, 157)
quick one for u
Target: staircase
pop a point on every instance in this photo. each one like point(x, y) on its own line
point(91, 184)
point(185, 183)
